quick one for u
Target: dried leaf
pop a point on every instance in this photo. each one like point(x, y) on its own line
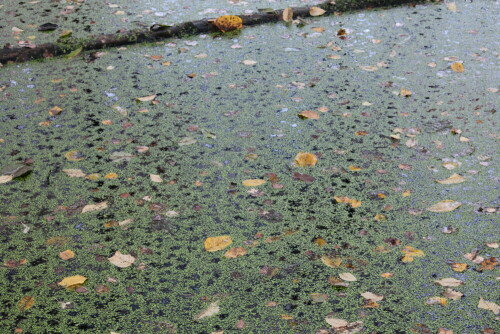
point(331, 262)
point(5, 178)
point(155, 178)
point(67, 254)
point(452, 294)
point(95, 207)
point(213, 244)
point(369, 68)
point(72, 280)
point(488, 264)
point(111, 176)
point(308, 114)
point(74, 156)
point(146, 98)
point(405, 92)
point(491, 306)
point(452, 7)
point(212, 309)
point(372, 296)
point(318, 297)
point(25, 303)
point(437, 300)
point(449, 282)
point(55, 111)
point(348, 277)
point(288, 14)
point(344, 199)
point(74, 172)
point(455, 178)
point(121, 156)
point(235, 252)
point(228, 23)
point(336, 323)
point(457, 67)
point(121, 260)
point(187, 141)
point(444, 206)
point(253, 182)
point(458, 267)
point(303, 159)
point(316, 11)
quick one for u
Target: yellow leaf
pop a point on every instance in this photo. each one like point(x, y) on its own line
point(331, 262)
point(235, 252)
point(303, 159)
point(316, 11)
point(444, 206)
point(74, 156)
point(387, 275)
point(67, 254)
point(288, 14)
point(212, 309)
point(308, 114)
point(213, 244)
point(95, 207)
point(253, 182)
point(286, 317)
point(455, 178)
point(405, 92)
point(121, 260)
point(55, 111)
point(380, 217)
point(228, 23)
point(491, 306)
point(25, 303)
point(111, 176)
point(72, 280)
point(344, 199)
point(354, 168)
point(410, 252)
point(459, 267)
point(406, 193)
point(93, 176)
point(457, 67)
point(320, 242)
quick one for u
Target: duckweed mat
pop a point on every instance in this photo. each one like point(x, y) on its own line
point(139, 155)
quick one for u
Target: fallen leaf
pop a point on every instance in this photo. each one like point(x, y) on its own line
point(253, 182)
point(458, 267)
point(288, 14)
point(155, 178)
point(249, 62)
point(111, 176)
point(121, 260)
point(67, 254)
point(55, 111)
point(455, 178)
point(74, 172)
point(331, 262)
point(187, 141)
point(72, 280)
point(316, 11)
point(5, 178)
point(491, 306)
point(449, 282)
point(303, 177)
point(457, 67)
point(410, 252)
point(212, 309)
point(146, 98)
point(452, 7)
point(405, 92)
point(95, 207)
point(369, 68)
point(344, 199)
point(320, 242)
point(488, 264)
point(452, 294)
point(318, 297)
point(25, 303)
point(303, 159)
point(228, 23)
point(235, 252)
point(437, 300)
point(121, 156)
point(213, 244)
point(444, 206)
point(74, 156)
point(372, 296)
point(348, 277)
point(308, 114)
point(336, 323)
point(74, 53)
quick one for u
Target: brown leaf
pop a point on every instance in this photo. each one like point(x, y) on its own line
point(303, 177)
point(489, 264)
point(308, 114)
point(288, 14)
point(316, 11)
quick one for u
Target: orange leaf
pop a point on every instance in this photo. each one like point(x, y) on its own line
point(344, 199)
point(67, 254)
point(308, 114)
point(303, 159)
point(25, 303)
point(457, 67)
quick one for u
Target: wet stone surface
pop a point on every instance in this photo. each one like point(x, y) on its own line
point(153, 179)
